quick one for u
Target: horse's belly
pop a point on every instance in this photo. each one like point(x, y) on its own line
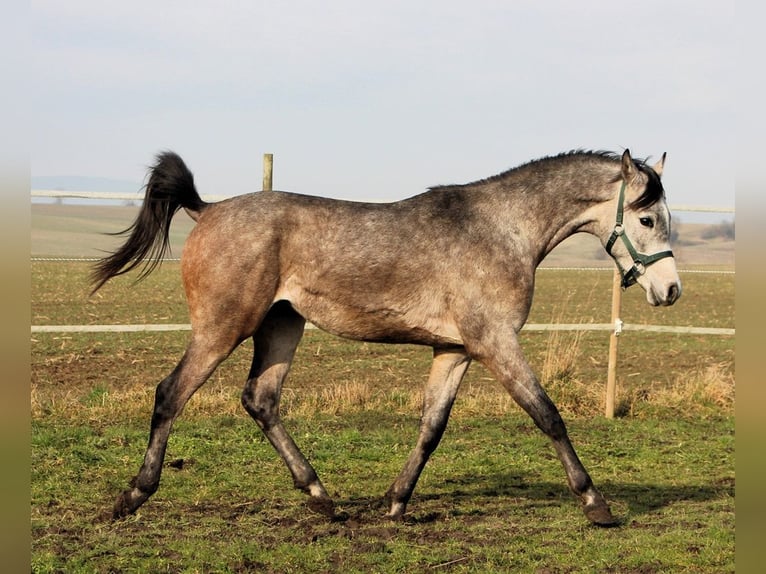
point(365, 319)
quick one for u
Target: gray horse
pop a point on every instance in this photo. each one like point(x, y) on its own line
point(452, 268)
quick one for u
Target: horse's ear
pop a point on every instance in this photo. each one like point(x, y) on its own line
point(629, 169)
point(659, 165)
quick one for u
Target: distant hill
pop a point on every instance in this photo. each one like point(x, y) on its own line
point(84, 183)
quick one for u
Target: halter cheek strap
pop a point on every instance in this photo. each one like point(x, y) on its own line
point(640, 260)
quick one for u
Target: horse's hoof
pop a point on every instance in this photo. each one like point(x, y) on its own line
point(122, 507)
point(397, 511)
point(600, 515)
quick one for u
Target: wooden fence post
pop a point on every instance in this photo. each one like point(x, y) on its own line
point(268, 171)
point(611, 376)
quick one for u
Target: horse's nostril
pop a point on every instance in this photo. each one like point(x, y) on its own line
point(673, 293)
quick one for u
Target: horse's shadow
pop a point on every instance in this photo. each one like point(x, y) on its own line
point(489, 494)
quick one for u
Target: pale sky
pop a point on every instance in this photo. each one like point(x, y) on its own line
point(380, 100)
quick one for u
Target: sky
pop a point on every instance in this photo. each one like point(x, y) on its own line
point(377, 101)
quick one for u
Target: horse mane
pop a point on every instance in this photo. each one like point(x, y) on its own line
point(652, 193)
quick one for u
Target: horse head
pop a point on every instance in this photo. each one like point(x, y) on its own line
point(640, 238)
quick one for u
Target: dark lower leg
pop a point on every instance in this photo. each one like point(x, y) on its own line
point(274, 348)
point(447, 371)
point(170, 398)
point(546, 416)
point(304, 476)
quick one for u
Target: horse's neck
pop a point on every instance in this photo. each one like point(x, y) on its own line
point(540, 219)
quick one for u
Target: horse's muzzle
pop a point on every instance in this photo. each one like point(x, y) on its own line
point(665, 297)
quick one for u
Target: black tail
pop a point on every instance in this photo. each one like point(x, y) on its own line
point(170, 187)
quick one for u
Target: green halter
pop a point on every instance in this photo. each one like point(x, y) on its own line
point(640, 260)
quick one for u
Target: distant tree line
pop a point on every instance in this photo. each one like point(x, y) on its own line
point(725, 229)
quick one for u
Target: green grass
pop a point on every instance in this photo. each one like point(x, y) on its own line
point(492, 499)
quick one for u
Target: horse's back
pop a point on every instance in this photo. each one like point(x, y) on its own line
point(398, 272)
point(355, 269)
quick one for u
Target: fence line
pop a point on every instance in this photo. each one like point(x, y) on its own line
point(58, 194)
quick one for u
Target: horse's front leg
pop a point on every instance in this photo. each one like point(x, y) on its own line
point(447, 371)
point(508, 364)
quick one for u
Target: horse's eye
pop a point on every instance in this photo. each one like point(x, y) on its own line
point(646, 222)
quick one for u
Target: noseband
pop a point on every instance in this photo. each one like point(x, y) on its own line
point(640, 260)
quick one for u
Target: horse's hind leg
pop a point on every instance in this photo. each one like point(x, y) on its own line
point(447, 371)
point(197, 364)
point(274, 347)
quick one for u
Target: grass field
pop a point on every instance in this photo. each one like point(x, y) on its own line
point(492, 499)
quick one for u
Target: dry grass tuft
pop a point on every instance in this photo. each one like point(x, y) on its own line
point(562, 356)
point(560, 377)
point(708, 388)
point(486, 397)
point(352, 396)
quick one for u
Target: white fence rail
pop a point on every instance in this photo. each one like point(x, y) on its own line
point(103, 195)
